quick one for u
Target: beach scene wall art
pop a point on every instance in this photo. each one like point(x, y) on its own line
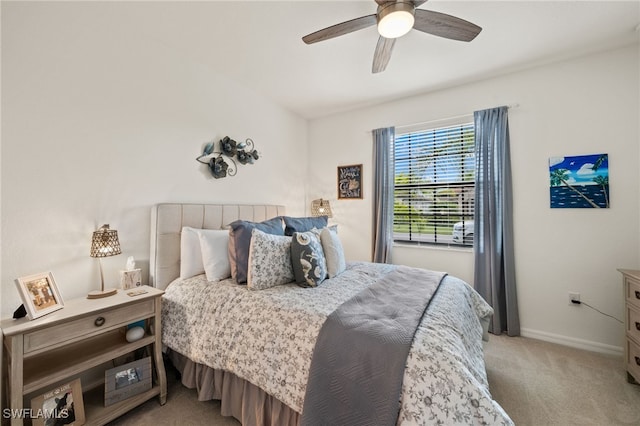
point(580, 181)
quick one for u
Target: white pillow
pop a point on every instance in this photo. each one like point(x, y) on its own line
point(190, 253)
point(333, 252)
point(269, 260)
point(215, 253)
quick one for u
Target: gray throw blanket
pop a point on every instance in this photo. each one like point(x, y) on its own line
point(358, 362)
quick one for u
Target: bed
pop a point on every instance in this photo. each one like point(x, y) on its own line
point(253, 350)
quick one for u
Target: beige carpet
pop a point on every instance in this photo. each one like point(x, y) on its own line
point(540, 383)
point(182, 409)
point(537, 383)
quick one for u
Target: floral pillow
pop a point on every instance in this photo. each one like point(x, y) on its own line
point(307, 259)
point(240, 239)
point(269, 260)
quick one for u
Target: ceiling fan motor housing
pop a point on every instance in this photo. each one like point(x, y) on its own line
point(395, 18)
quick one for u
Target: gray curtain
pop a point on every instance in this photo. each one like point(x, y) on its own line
point(383, 194)
point(494, 275)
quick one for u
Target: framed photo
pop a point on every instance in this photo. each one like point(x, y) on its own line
point(350, 181)
point(579, 181)
point(62, 405)
point(39, 294)
point(127, 380)
point(131, 279)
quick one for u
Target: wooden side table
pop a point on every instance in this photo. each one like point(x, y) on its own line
point(84, 334)
point(631, 285)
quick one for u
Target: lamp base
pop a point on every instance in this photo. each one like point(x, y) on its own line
point(98, 294)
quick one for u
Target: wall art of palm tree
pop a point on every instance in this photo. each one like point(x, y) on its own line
point(580, 181)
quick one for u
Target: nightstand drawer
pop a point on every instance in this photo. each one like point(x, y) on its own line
point(74, 330)
point(633, 323)
point(633, 359)
point(632, 291)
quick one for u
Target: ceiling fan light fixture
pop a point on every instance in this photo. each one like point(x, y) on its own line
point(395, 19)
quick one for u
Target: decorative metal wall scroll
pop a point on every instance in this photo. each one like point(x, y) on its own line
point(244, 152)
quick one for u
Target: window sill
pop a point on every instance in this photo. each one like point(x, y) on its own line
point(464, 249)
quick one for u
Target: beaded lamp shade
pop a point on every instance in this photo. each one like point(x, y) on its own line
point(321, 207)
point(105, 242)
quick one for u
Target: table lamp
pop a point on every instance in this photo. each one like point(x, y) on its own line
point(321, 207)
point(103, 244)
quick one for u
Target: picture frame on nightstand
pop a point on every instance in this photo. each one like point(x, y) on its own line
point(62, 405)
point(131, 279)
point(39, 294)
point(127, 380)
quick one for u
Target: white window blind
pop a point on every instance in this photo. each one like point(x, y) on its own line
point(434, 185)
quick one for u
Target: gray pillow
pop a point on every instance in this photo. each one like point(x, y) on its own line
point(307, 259)
point(333, 252)
point(240, 241)
point(303, 224)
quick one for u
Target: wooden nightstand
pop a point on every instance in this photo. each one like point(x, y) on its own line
point(84, 334)
point(631, 283)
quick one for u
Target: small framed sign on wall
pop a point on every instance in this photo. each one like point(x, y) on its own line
point(350, 182)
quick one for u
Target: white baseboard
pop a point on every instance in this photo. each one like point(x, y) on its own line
point(572, 342)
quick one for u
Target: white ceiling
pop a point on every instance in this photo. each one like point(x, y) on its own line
point(259, 44)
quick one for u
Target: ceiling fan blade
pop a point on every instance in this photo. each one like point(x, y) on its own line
point(417, 3)
point(383, 54)
point(340, 29)
point(443, 25)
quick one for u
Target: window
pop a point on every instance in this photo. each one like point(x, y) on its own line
point(434, 185)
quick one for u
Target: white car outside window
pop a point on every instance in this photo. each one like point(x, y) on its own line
point(463, 232)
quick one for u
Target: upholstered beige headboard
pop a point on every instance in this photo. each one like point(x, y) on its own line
point(167, 221)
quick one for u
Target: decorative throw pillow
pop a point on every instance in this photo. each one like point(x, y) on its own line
point(333, 252)
point(307, 259)
point(240, 240)
point(215, 253)
point(190, 251)
point(303, 224)
point(269, 261)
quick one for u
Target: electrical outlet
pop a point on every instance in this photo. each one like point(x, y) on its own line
point(574, 297)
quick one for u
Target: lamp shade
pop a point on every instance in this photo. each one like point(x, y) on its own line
point(321, 207)
point(105, 242)
point(396, 19)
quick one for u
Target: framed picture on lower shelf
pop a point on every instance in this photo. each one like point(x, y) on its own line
point(127, 380)
point(62, 405)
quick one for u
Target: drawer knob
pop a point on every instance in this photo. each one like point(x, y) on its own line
point(638, 360)
point(637, 294)
point(637, 325)
point(99, 322)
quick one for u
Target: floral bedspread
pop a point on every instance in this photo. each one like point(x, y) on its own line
point(267, 337)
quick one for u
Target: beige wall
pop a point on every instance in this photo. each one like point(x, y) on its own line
point(582, 106)
point(99, 124)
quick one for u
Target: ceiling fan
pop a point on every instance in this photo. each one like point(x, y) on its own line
point(394, 19)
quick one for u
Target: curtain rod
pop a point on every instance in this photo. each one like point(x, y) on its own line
point(446, 118)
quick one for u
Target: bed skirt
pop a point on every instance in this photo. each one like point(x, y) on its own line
point(238, 398)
